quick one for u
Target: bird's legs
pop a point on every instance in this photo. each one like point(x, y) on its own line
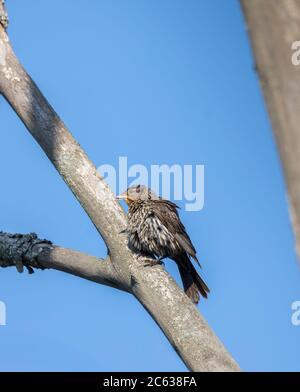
point(153, 262)
point(150, 261)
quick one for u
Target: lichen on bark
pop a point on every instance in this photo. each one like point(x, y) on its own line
point(21, 250)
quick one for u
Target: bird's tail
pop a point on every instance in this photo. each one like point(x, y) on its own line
point(193, 284)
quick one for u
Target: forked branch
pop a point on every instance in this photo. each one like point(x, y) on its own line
point(172, 310)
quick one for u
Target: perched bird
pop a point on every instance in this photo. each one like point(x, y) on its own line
point(155, 230)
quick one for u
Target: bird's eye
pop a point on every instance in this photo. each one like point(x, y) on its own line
point(138, 189)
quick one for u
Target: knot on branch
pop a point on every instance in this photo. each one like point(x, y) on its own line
point(3, 14)
point(21, 250)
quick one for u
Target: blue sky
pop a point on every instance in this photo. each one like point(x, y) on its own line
point(161, 82)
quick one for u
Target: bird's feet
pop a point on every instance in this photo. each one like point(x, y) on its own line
point(153, 262)
point(149, 261)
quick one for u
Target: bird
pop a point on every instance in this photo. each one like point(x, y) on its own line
point(154, 230)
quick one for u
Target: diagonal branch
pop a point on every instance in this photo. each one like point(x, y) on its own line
point(28, 250)
point(172, 310)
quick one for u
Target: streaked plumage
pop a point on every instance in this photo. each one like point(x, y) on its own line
point(154, 229)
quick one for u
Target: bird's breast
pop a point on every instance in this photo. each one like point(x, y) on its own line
point(147, 234)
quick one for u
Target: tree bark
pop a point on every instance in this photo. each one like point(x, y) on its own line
point(273, 27)
point(172, 310)
point(28, 250)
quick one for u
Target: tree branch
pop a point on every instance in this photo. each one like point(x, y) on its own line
point(28, 250)
point(273, 27)
point(173, 311)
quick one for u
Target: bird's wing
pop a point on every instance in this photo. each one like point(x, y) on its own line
point(166, 211)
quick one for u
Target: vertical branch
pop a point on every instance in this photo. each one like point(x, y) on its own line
point(273, 27)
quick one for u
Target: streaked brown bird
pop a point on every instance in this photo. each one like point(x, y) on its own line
point(155, 230)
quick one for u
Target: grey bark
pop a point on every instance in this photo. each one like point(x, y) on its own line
point(273, 27)
point(172, 310)
point(27, 250)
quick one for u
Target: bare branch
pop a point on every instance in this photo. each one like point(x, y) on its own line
point(28, 250)
point(273, 27)
point(173, 311)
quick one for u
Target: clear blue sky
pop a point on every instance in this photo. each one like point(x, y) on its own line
point(161, 81)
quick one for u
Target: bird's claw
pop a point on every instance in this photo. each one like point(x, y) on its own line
point(153, 262)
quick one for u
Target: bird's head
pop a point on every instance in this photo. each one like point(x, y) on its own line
point(137, 193)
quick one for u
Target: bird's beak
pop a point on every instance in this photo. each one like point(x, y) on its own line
point(122, 196)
